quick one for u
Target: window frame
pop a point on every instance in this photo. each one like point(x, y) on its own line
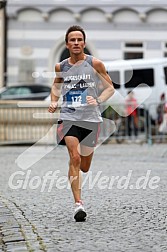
point(127, 85)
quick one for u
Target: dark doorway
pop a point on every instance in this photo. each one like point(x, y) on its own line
point(65, 54)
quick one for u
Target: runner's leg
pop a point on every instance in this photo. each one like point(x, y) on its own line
point(86, 154)
point(74, 166)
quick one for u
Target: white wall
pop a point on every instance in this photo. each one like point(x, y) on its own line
point(1, 47)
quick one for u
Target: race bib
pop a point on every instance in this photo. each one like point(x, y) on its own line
point(76, 98)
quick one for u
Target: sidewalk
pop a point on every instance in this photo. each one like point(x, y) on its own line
point(11, 233)
point(124, 195)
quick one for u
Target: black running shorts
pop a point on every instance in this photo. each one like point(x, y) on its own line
point(86, 132)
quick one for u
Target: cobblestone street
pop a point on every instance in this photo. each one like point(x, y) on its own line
point(126, 205)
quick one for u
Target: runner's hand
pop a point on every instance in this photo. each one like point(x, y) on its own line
point(52, 107)
point(91, 101)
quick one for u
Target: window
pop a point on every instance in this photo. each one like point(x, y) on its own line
point(10, 91)
point(140, 76)
point(23, 91)
point(134, 45)
point(16, 91)
point(133, 55)
point(165, 71)
point(133, 50)
point(165, 50)
point(26, 68)
point(115, 77)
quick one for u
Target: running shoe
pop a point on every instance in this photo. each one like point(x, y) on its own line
point(79, 212)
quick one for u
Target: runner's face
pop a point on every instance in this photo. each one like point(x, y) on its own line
point(75, 42)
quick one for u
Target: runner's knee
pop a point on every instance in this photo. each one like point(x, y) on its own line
point(75, 160)
point(85, 168)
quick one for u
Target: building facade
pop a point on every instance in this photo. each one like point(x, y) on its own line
point(115, 30)
point(2, 43)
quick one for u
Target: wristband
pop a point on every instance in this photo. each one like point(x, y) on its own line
point(98, 100)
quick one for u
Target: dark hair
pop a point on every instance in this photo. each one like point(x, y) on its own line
point(75, 28)
point(162, 96)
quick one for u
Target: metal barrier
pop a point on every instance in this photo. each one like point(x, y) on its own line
point(31, 122)
point(155, 132)
point(127, 129)
point(18, 124)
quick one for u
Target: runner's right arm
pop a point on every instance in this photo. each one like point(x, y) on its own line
point(55, 90)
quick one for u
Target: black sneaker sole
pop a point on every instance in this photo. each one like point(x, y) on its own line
point(80, 216)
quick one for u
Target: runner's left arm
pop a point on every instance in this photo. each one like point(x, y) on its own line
point(108, 88)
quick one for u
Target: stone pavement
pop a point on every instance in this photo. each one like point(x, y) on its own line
point(126, 205)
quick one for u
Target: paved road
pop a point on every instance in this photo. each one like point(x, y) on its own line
point(126, 205)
